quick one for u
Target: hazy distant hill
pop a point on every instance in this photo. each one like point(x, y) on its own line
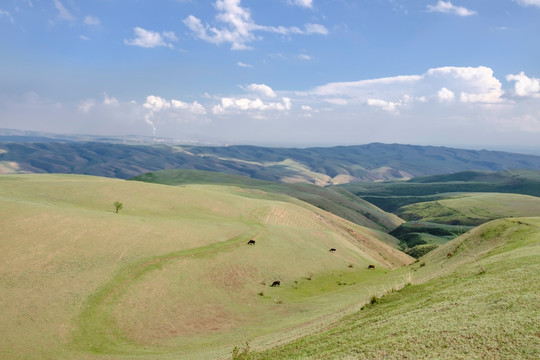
point(320, 166)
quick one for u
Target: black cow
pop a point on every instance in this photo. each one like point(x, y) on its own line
point(332, 250)
point(276, 283)
point(371, 267)
point(251, 242)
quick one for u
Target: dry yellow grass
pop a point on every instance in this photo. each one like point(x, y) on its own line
point(170, 273)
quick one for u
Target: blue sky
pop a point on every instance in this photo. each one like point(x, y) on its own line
point(276, 72)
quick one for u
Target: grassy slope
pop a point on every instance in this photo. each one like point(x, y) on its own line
point(165, 277)
point(335, 200)
point(393, 194)
point(453, 310)
point(472, 208)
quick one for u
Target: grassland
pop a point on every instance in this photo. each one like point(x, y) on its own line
point(472, 208)
point(170, 276)
point(480, 303)
point(335, 200)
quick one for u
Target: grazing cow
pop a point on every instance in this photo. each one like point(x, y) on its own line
point(332, 250)
point(276, 283)
point(449, 255)
point(371, 267)
point(251, 242)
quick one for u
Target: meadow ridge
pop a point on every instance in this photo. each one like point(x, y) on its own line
point(482, 302)
point(171, 274)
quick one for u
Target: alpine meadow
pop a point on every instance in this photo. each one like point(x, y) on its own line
point(269, 179)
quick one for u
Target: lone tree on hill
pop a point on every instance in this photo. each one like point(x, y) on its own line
point(118, 206)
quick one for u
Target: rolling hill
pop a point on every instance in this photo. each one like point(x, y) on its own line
point(171, 275)
point(319, 166)
point(472, 208)
point(391, 195)
point(481, 302)
point(335, 200)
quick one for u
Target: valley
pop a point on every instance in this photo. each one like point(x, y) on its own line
point(185, 267)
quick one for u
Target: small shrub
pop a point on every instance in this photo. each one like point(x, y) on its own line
point(241, 354)
point(260, 293)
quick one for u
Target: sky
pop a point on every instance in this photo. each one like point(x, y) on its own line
point(276, 72)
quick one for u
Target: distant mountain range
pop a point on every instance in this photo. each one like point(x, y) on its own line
point(318, 165)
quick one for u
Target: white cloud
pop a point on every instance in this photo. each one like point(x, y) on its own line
point(6, 14)
point(150, 39)
point(384, 105)
point(478, 85)
point(304, 57)
point(445, 84)
point(85, 38)
point(63, 13)
point(91, 20)
point(239, 28)
point(307, 108)
point(448, 8)
point(245, 104)
point(87, 105)
point(156, 103)
point(316, 29)
point(109, 100)
point(525, 86)
point(194, 108)
point(303, 3)
point(528, 2)
point(262, 89)
point(446, 95)
point(241, 64)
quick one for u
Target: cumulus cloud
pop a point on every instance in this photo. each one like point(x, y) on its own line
point(173, 109)
point(109, 100)
point(91, 20)
point(262, 89)
point(478, 85)
point(444, 84)
point(528, 2)
point(239, 28)
point(525, 86)
point(245, 104)
point(448, 8)
point(150, 39)
point(445, 95)
point(63, 13)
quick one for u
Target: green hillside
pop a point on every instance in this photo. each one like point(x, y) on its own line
point(335, 200)
point(482, 302)
point(392, 195)
point(472, 208)
point(171, 275)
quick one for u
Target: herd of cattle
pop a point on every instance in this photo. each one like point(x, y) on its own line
point(278, 283)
